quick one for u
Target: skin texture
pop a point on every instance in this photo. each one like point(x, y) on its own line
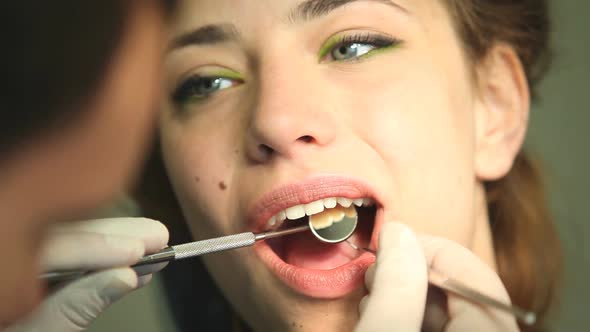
point(65, 173)
point(427, 123)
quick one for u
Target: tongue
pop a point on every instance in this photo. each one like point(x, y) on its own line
point(306, 251)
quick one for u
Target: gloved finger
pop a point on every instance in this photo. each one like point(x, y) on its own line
point(75, 306)
point(69, 251)
point(102, 243)
point(152, 233)
point(397, 291)
point(369, 278)
point(459, 263)
point(149, 269)
point(363, 305)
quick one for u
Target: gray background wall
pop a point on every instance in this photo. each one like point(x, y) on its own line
point(559, 133)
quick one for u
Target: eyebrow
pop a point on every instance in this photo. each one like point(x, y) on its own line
point(313, 9)
point(306, 11)
point(206, 35)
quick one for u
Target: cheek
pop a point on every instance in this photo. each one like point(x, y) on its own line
point(200, 165)
point(422, 128)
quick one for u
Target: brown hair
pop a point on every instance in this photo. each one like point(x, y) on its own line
point(525, 241)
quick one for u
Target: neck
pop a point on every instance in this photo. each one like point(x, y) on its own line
point(482, 244)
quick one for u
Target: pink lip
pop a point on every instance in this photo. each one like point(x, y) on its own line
point(325, 284)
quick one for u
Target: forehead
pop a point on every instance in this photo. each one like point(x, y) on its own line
point(284, 12)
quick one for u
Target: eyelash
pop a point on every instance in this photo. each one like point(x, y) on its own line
point(185, 92)
point(378, 41)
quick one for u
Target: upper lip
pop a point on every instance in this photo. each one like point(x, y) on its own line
point(304, 192)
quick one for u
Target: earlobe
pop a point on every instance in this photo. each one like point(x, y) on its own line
point(501, 114)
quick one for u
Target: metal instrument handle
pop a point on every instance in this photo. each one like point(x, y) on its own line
point(186, 250)
point(209, 246)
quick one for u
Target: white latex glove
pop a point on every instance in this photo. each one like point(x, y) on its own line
point(94, 245)
point(398, 283)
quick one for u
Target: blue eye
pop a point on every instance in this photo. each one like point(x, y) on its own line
point(198, 88)
point(350, 51)
point(355, 47)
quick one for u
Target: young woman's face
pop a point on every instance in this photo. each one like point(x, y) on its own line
point(277, 104)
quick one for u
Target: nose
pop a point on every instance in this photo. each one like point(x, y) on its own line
point(289, 117)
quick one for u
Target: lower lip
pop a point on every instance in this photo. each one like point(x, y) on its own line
point(322, 284)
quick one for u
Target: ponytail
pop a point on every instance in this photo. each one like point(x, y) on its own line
point(525, 241)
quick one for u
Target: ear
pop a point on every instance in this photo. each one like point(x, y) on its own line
point(501, 113)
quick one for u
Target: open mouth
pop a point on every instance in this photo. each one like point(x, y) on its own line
point(306, 264)
point(304, 250)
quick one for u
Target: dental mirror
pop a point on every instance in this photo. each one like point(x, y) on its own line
point(337, 232)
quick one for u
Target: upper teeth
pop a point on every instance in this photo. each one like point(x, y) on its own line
point(315, 207)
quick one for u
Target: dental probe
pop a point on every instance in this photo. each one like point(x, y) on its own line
point(188, 250)
point(451, 285)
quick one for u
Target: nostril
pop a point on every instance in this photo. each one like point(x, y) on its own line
point(306, 139)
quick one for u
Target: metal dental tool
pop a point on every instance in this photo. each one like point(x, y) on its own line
point(338, 232)
point(451, 285)
point(187, 250)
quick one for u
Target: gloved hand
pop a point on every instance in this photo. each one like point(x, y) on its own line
point(94, 245)
point(398, 283)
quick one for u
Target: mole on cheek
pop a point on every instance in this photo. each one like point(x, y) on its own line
point(197, 179)
point(222, 185)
